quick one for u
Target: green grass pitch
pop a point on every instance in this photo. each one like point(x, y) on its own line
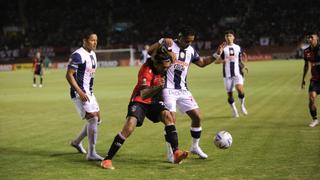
point(272, 142)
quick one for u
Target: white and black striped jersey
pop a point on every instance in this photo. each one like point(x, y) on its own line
point(85, 64)
point(231, 55)
point(177, 73)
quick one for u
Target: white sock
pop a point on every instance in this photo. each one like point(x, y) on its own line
point(195, 141)
point(242, 101)
point(92, 131)
point(82, 134)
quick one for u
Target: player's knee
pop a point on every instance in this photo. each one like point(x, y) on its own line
point(167, 118)
point(230, 100)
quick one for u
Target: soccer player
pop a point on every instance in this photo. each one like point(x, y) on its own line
point(145, 102)
point(176, 92)
point(312, 58)
point(80, 74)
point(37, 69)
point(231, 56)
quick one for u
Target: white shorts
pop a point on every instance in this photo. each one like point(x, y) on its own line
point(231, 82)
point(178, 97)
point(88, 106)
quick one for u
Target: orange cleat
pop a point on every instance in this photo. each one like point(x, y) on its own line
point(107, 164)
point(180, 155)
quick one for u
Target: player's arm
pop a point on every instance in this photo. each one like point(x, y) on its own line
point(150, 91)
point(164, 45)
point(73, 83)
point(216, 57)
point(243, 59)
point(305, 71)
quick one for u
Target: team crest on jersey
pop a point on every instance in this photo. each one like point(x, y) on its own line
point(182, 55)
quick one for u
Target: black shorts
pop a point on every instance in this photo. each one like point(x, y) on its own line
point(140, 111)
point(314, 86)
point(38, 72)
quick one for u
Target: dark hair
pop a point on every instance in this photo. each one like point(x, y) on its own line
point(87, 33)
point(310, 33)
point(230, 31)
point(160, 57)
point(186, 31)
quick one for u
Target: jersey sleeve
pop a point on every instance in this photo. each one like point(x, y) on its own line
point(145, 77)
point(195, 57)
point(74, 61)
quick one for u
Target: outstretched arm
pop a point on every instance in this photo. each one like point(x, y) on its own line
point(204, 61)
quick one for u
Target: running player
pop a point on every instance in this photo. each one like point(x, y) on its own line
point(231, 56)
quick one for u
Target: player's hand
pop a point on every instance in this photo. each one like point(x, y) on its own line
point(221, 47)
point(303, 84)
point(83, 97)
point(162, 82)
point(245, 68)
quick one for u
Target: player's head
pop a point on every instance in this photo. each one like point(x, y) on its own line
point(186, 37)
point(162, 62)
point(90, 40)
point(312, 38)
point(229, 36)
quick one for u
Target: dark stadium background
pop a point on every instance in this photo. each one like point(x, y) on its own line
point(274, 28)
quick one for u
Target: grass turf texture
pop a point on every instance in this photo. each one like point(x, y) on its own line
point(272, 142)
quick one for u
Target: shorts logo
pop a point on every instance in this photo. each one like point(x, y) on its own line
point(133, 108)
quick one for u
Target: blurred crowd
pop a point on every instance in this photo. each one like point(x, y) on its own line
point(123, 23)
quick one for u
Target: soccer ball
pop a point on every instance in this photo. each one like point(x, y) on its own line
point(223, 140)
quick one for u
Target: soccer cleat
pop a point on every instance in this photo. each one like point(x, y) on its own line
point(40, 86)
point(34, 85)
point(79, 147)
point(180, 155)
point(235, 113)
point(94, 157)
point(107, 164)
point(314, 123)
point(169, 153)
point(244, 110)
point(198, 151)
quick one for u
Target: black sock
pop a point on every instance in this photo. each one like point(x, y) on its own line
point(41, 80)
point(172, 136)
point(34, 80)
point(195, 134)
point(313, 113)
point(230, 100)
point(240, 96)
point(115, 146)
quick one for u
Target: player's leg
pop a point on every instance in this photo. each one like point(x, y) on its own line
point(195, 132)
point(172, 136)
point(170, 97)
point(92, 132)
point(41, 80)
point(238, 81)
point(241, 97)
point(313, 108)
point(135, 117)
point(77, 142)
point(229, 85)
point(188, 104)
point(34, 80)
point(118, 141)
